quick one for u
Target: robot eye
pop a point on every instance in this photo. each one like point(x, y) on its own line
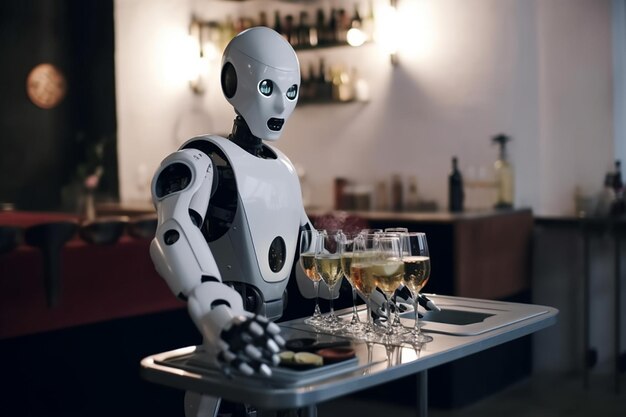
point(292, 92)
point(266, 87)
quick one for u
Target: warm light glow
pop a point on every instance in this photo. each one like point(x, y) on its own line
point(356, 37)
point(177, 56)
point(388, 32)
point(210, 51)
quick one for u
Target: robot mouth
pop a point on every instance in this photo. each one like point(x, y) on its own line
point(275, 124)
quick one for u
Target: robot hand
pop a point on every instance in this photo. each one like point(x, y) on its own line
point(250, 344)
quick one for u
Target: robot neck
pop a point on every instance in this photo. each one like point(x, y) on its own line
point(242, 136)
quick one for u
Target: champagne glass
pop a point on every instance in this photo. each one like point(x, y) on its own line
point(416, 260)
point(363, 251)
point(388, 271)
point(346, 246)
point(396, 316)
point(328, 267)
point(309, 239)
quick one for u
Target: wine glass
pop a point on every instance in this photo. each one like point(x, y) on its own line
point(388, 271)
point(363, 251)
point(355, 327)
point(309, 240)
point(328, 267)
point(416, 260)
point(396, 316)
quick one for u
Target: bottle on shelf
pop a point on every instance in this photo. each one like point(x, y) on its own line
point(290, 31)
point(263, 19)
point(324, 87)
point(618, 207)
point(412, 197)
point(332, 28)
point(397, 203)
point(343, 22)
point(278, 27)
point(356, 21)
point(503, 175)
point(320, 28)
point(606, 197)
point(456, 195)
point(303, 32)
point(341, 86)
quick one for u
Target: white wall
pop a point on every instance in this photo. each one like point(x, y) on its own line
point(540, 71)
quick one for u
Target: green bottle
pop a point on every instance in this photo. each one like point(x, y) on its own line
point(503, 175)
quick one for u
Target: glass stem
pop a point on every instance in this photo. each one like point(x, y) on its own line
point(396, 312)
point(355, 315)
point(317, 311)
point(330, 303)
point(370, 323)
point(417, 316)
point(389, 317)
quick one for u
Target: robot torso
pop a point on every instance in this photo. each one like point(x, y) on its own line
point(253, 221)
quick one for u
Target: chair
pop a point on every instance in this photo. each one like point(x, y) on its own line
point(50, 238)
point(103, 230)
point(143, 227)
point(10, 237)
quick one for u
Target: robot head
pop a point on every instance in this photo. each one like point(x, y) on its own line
point(261, 80)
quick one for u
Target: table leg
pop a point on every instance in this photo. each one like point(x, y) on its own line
point(199, 405)
point(422, 394)
point(618, 293)
point(310, 411)
point(585, 306)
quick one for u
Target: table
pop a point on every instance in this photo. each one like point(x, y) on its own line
point(99, 282)
point(588, 228)
point(490, 323)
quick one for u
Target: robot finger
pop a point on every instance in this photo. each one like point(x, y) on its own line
point(272, 328)
point(240, 363)
point(253, 352)
point(255, 328)
point(272, 346)
point(279, 340)
point(261, 368)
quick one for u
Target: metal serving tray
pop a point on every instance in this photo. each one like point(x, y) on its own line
point(469, 317)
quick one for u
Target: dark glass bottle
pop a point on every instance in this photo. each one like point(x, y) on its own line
point(304, 30)
point(356, 18)
point(618, 207)
point(290, 31)
point(455, 188)
point(278, 26)
point(332, 27)
point(320, 28)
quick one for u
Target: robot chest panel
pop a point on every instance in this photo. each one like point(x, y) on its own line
point(271, 203)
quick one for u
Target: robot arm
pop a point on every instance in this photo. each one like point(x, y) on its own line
point(181, 191)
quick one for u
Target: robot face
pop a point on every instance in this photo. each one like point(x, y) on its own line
point(261, 80)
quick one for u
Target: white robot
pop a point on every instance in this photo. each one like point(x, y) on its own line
point(230, 212)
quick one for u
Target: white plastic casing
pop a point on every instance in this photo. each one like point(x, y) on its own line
point(259, 54)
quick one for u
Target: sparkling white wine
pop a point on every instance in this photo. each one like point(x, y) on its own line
point(346, 261)
point(388, 274)
point(416, 272)
point(363, 281)
point(329, 267)
point(307, 260)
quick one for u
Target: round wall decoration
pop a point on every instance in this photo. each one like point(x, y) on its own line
point(46, 86)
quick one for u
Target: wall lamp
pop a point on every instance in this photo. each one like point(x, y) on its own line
point(205, 38)
point(390, 30)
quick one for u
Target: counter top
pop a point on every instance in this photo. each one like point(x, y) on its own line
point(431, 217)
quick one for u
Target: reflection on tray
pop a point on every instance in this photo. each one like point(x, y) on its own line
point(284, 375)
